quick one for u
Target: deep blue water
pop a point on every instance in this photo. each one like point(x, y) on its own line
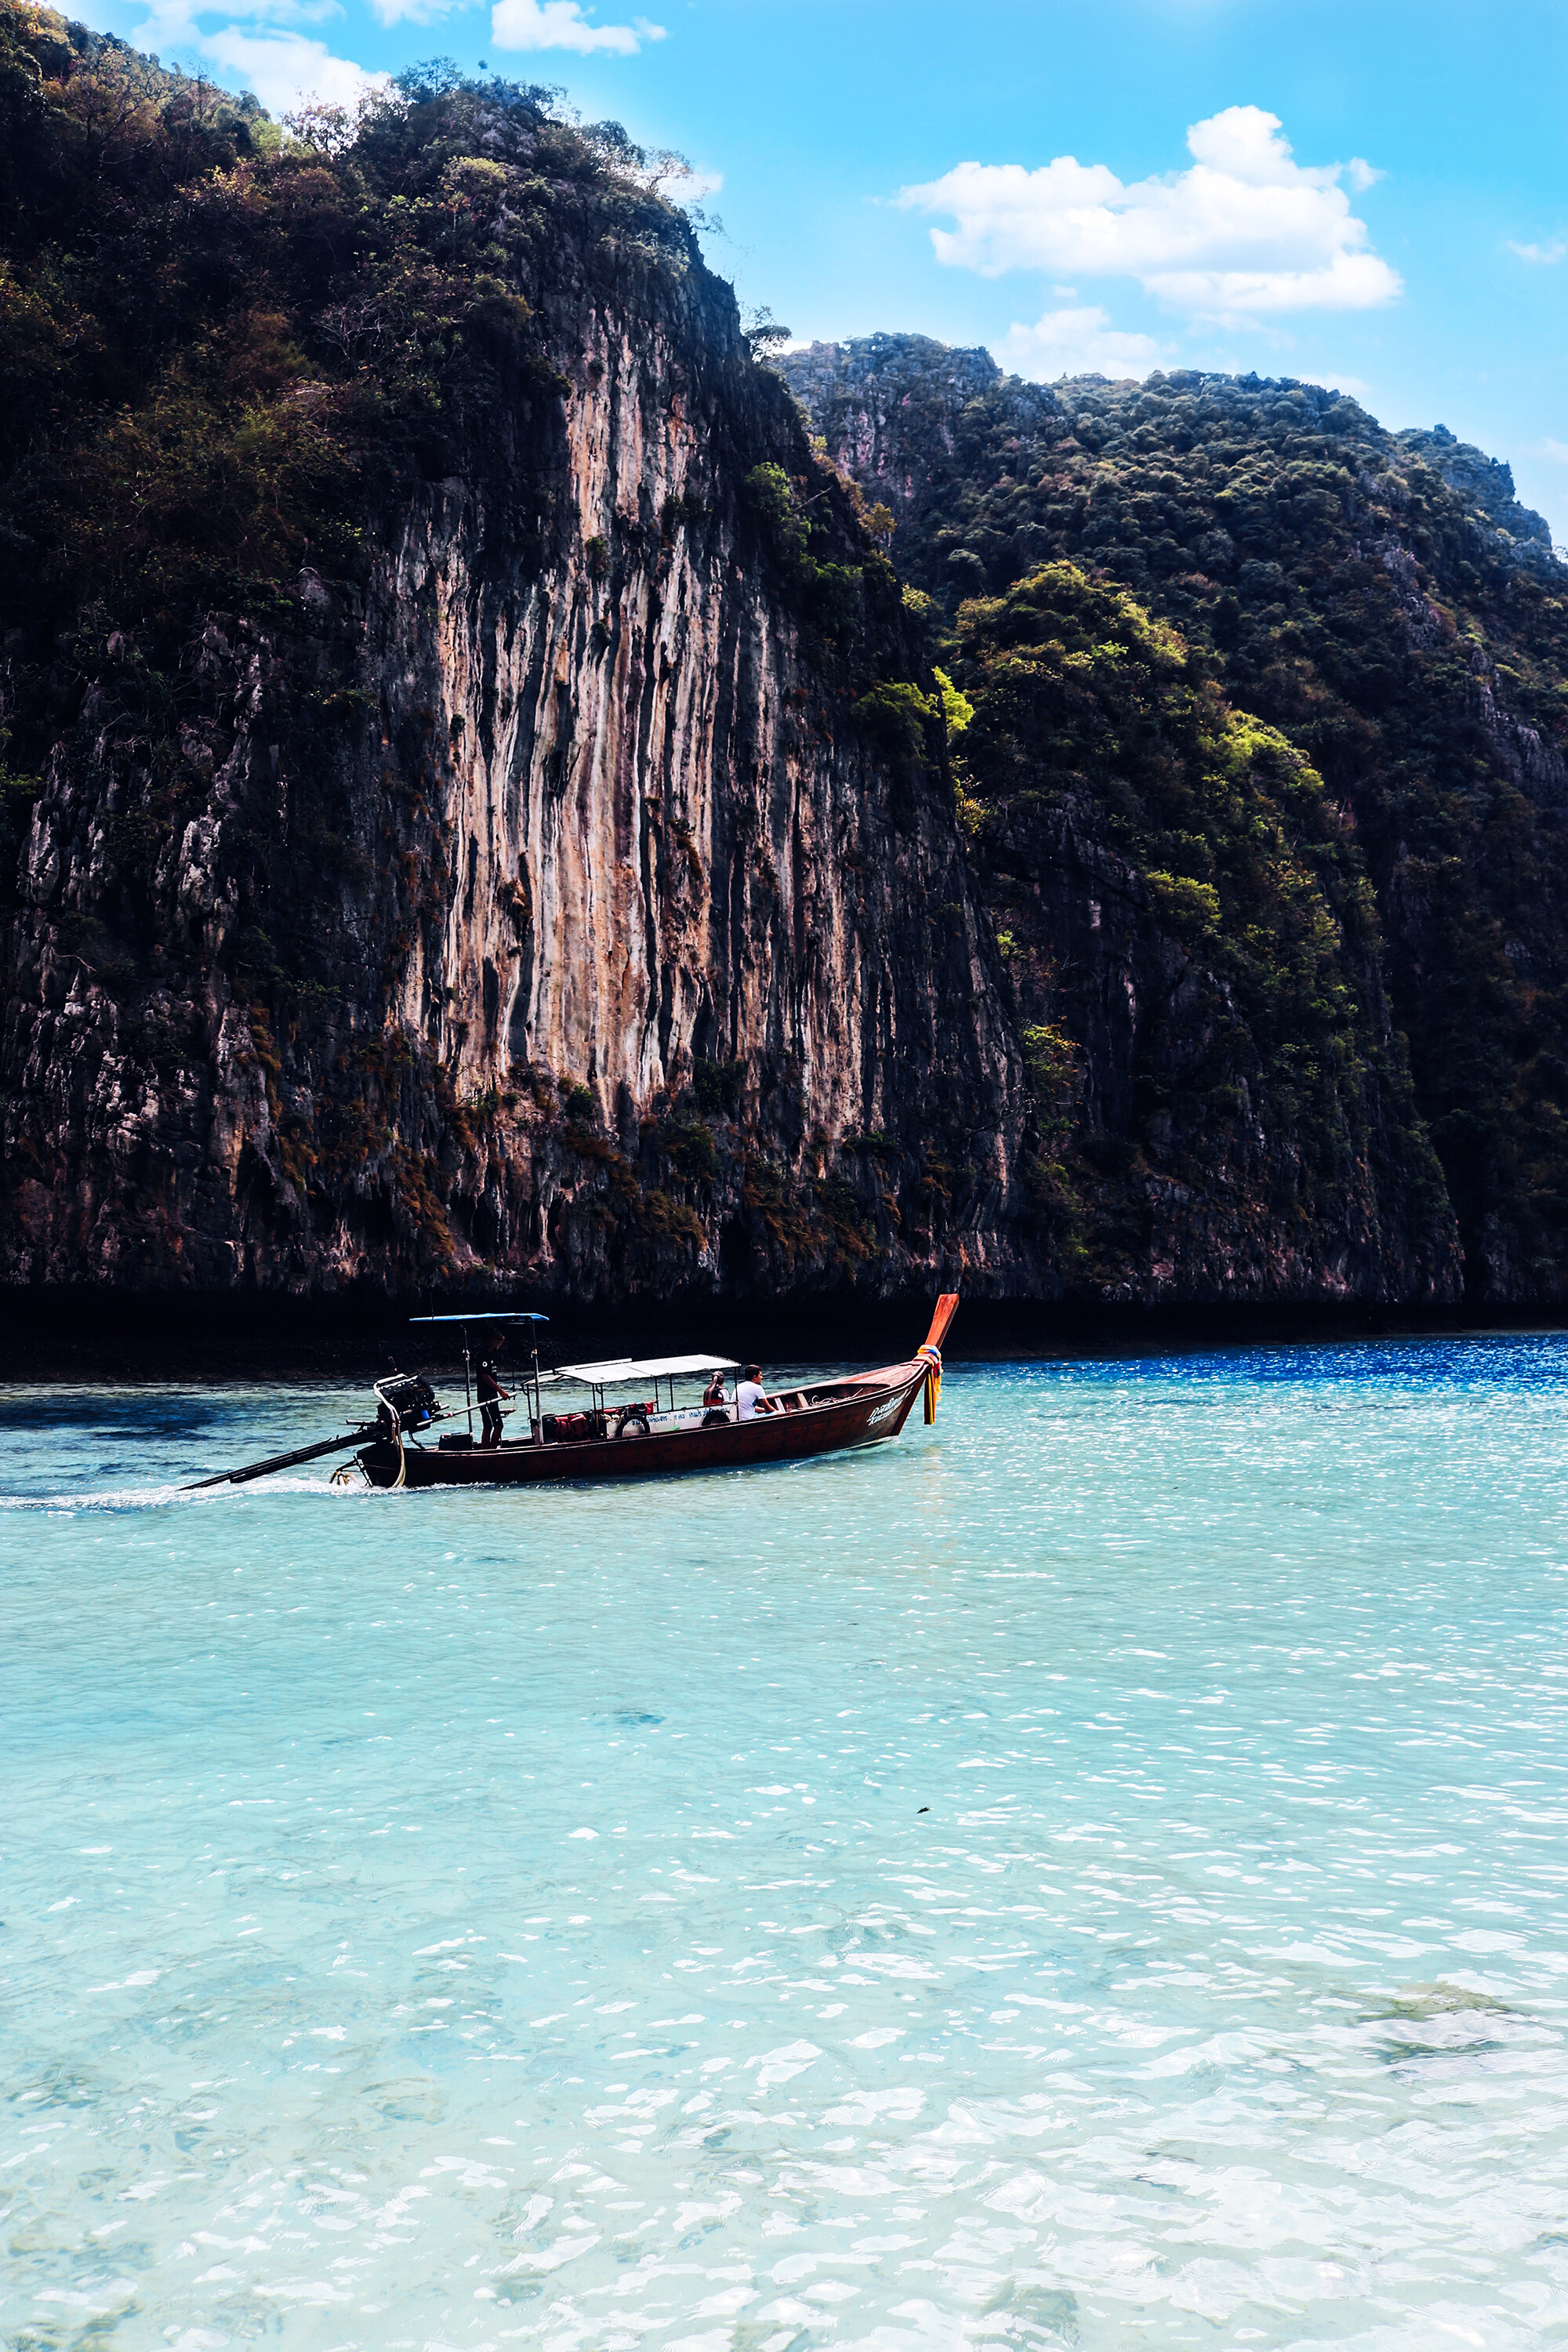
point(1091, 1873)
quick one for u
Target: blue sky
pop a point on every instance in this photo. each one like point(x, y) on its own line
point(1371, 195)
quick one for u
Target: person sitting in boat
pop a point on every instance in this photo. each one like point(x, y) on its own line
point(715, 1403)
point(751, 1397)
point(489, 1392)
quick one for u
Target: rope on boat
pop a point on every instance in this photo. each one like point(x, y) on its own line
point(933, 1387)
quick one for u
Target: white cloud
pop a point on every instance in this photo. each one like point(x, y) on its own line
point(284, 68)
point(1338, 380)
point(171, 23)
point(414, 12)
point(259, 48)
point(1245, 231)
point(1076, 343)
point(563, 24)
point(1556, 450)
point(1546, 254)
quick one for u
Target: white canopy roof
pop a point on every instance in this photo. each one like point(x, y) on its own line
point(640, 1368)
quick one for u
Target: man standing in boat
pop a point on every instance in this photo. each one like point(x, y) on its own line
point(489, 1392)
point(751, 1397)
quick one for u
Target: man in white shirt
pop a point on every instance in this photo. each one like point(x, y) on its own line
point(751, 1397)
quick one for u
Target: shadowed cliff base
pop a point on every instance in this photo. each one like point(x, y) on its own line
point(107, 1340)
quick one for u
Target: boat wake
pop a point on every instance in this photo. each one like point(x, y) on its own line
point(157, 1497)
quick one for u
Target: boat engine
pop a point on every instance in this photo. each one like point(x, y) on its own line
point(404, 1401)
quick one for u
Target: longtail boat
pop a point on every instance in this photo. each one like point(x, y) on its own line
point(650, 1433)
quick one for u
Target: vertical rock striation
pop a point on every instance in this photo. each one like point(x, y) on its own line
point(641, 963)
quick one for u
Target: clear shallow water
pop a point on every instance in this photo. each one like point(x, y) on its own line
point(1093, 1874)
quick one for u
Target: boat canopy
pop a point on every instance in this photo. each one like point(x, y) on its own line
point(640, 1368)
point(485, 1314)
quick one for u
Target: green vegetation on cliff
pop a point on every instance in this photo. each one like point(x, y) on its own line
point(1380, 600)
point(1093, 724)
point(224, 355)
point(220, 347)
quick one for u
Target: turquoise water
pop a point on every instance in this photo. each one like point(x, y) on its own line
point(1091, 1873)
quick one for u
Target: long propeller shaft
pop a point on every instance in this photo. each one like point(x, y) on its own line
point(284, 1461)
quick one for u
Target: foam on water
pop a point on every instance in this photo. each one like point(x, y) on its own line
point(1092, 1873)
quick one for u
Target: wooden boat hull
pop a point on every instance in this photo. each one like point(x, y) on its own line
point(826, 1417)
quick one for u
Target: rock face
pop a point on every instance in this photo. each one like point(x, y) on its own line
point(1221, 1110)
point(1187, 1178)
point(648, 967)
point(550, 854)
point(889, 406)
point(1384, 602)
point(1486, 486)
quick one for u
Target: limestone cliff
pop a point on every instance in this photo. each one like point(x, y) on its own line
point(636, 961)
point(1384, 602)
point(480, 812)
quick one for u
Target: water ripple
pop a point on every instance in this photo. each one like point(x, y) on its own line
point(1092, 1873)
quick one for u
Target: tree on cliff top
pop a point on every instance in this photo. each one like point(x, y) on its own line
point(220, 343)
